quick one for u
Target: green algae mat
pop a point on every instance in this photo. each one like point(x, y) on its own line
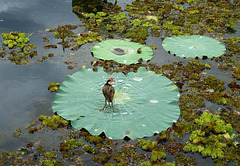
point(121, 51)
point(193, 46)
point(145, 103)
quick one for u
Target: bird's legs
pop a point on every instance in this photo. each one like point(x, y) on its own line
point(104, 105)
point(112, 106)
point(109, 104)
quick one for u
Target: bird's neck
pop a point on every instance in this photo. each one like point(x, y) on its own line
point(108, 83)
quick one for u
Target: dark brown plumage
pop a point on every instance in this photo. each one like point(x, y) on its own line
point(108, 92)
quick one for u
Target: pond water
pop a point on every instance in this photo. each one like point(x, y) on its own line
point(24, 91)
point(24, 95)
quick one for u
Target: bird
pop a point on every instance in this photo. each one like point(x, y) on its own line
point(108, 92)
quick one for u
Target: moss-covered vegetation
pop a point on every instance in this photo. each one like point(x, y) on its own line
point(208, 138)
point(53, 86)
point(19, 51)
point(53, 122)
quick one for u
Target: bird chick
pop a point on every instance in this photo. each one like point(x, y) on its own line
point(108, 92)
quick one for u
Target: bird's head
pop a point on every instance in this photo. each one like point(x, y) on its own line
point(110, 81)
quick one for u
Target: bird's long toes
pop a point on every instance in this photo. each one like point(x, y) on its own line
point(102, 109)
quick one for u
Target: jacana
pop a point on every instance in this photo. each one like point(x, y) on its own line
point(108, 92)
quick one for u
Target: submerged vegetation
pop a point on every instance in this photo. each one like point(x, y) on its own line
point(209, 122)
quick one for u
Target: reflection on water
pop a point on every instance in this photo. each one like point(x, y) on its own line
point(31, 16)
point(24, 95)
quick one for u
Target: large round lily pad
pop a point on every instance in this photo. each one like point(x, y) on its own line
point(144, 103)
point(121, 51)
point(193, 46)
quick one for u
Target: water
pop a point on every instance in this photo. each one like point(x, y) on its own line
point(31, 16)
point(24, 94)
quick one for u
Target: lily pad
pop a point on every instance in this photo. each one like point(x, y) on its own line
point(194, 46)
point(121, 51)
point(144, 103)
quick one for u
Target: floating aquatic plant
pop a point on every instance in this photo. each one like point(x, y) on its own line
point(15, 39)
point(53, 122)
point(208, 140)
point(53, 87)
point(63, 32)
point(118, 22)
point(89, 149)
point(193, 46)
point(121, 51)
point(20, 50)
point(157, 155)
point(145, 103)
point(17, 133)
point(138, 34)
point(88, 37)
point(209, 82)
point(147, 145)
point(182, 159)
point(236, 73)
point(69, 145)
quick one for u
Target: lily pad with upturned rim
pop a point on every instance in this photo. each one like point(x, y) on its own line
point(121, 51)
point(193, 46)
point(145, 103)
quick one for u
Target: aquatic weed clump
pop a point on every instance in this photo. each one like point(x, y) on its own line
point(209, 82)
point(20, 52)
point(157, 152)
point(147, 145)
point(183, 128)
point(49, 158)
point(63, 32)
point(236, 73)
point(138, 34)
point(53, 122)
point(187, 160)
point(231, 117)
point(69, 145)
point(188, 17)
point(191, 105)
point(212, 123)
point(88, 37)
point(53, 86)
point(115, 21)
point(182, 73)
point(158, 155)
point(207, 139)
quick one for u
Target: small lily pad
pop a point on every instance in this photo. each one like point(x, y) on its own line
point(193, 46)
point(121, 51)
point(144, 103)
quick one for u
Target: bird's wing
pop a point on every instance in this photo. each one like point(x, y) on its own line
point(112, 90)
point(108, 92)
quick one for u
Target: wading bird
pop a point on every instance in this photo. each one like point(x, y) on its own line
point(108, 92)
